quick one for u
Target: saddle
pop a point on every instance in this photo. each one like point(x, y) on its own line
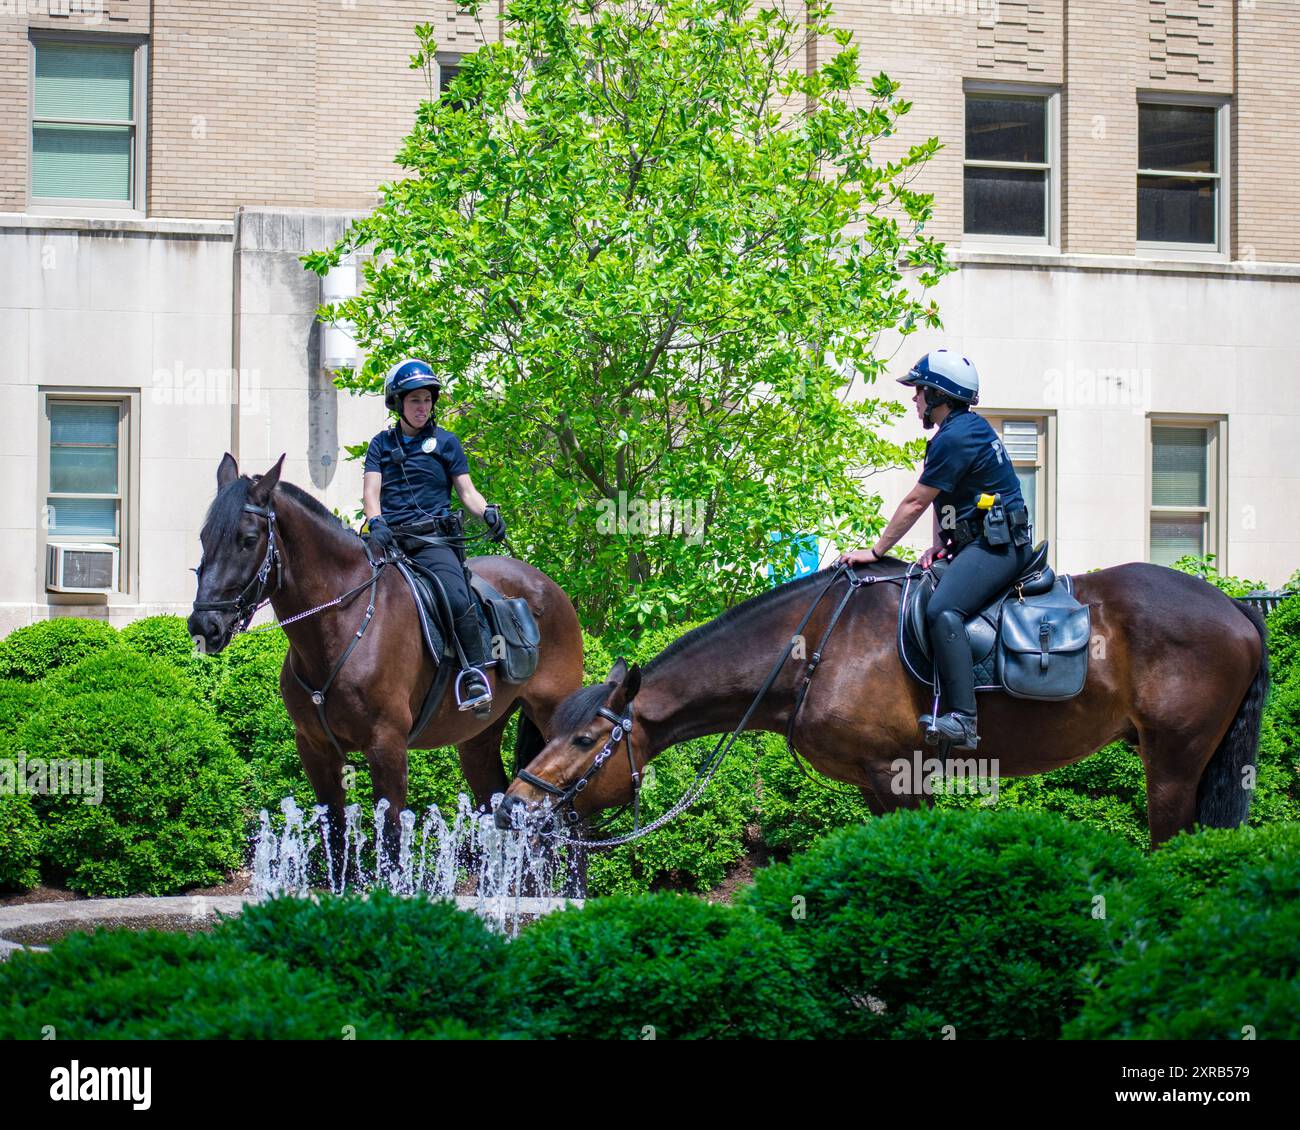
point(1030, 641)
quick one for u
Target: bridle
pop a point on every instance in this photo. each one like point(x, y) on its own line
point(564, 798)
point(257, 592)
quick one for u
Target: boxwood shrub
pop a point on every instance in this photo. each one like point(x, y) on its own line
point(920, 920)
point(249, 680)
point(167, 638)
point(20, 843)
point(173, 808)
point(32, 652)
point(1229, 970)
point(120, 984)
point(686, 968)
point(416, 962)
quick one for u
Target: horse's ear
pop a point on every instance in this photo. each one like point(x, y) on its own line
point(618, 672)
point(227, 471)
point(626, 691)
point(260, 492)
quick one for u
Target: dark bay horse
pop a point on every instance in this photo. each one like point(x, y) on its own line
point(377, 694)
point(1176, 667)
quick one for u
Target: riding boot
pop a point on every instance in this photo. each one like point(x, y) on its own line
point(475, 693)
point(956, 678)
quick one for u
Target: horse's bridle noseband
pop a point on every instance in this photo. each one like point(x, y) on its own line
point(622, 731)
point(255, 593)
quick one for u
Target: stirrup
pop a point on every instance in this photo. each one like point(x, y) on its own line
point(955, 728)
point(480, 700)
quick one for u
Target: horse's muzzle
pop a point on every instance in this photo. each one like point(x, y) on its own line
point(211, 630)
point(504, 815)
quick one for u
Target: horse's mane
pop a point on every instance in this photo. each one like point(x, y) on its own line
point(733, 617)
point(227, 508)
point(580, 706)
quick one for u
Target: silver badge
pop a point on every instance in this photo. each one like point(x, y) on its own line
point(429, 444)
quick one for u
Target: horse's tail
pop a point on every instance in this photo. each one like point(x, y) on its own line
point(1222, 800)
point(529, 742)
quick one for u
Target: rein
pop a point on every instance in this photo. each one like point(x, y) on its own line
point(623, 732)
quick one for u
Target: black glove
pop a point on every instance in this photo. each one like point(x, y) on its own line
point(381, 537)
point(495, 523)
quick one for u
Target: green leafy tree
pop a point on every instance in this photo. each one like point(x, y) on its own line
point(654, 251)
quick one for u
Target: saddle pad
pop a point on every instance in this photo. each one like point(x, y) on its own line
point(429, 610)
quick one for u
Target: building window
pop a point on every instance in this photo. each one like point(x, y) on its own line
point(86, 475)
point(87, 126)
point(447, 72)
point(1010, 166)
point(1184, 484)
point(1026, 440)
point(1180, 192)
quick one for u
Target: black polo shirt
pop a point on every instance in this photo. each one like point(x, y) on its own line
point(419, 486)
point(964, 460)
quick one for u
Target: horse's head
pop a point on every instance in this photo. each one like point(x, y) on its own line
point(240, 562)
point(589, 763)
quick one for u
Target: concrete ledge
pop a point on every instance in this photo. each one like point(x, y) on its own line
point(969, 257)
point(195, 229)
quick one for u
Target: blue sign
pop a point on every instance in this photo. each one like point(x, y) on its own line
point(807, 560)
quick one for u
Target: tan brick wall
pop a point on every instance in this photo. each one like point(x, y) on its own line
point(14, 83)
point(1266, 133)
point(1105, 44)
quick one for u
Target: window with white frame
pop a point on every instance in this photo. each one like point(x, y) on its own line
point(87, 124)
point(1010, 167)
point(86, 475)
point(1025, 440)
point(1184, 488)
point(1180, 193)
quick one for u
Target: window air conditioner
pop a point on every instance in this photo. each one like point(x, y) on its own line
point(81, 568)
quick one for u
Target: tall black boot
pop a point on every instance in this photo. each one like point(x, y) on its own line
point(472, 685)
point(956, 678)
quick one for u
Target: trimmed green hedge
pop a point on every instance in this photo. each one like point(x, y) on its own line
point(666, 967)
point(122, 985)
point(173, 807)
point(32, 652)
point(167, 638)
point(119, 669)
point(20, 843)
point(249, 680)
point(417, 963)
point(1229, 970)
point(981, 921)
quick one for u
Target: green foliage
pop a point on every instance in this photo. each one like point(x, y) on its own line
point(167, 638)
point(1230, 967)
point(922, 919)
point(18, 702)
point(119, 669)
point(668, 253)
point(249, 680)
point(122, 985)
point(20, 842)
point(172, 811)
point(795, 811)
point(416, 962)
point(32, 652)
point(688, 969)
point(1204, 567)
point(1197, 863)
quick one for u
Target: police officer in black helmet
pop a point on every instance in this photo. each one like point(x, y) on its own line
point(965, 464)
point(410, 471)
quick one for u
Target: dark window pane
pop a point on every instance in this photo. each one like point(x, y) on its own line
point(1178, 466)
point(1006, 129)
point(1174, 210)
point(1006, 202)
point(1177, 138)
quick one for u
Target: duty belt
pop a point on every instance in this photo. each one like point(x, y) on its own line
point(967, 530)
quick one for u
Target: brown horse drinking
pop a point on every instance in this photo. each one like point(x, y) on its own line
point(377, 694)
point(1175, 667)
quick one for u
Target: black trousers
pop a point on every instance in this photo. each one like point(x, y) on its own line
point(974, 577)
point(440, 559)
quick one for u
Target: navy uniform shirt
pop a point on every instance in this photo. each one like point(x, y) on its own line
point(420, 487)
point(964, 460)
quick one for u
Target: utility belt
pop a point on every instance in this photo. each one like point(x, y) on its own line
point(997, 525)
point(444, 526)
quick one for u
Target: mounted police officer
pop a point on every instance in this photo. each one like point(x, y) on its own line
point(980, 521)
point(410, 471)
